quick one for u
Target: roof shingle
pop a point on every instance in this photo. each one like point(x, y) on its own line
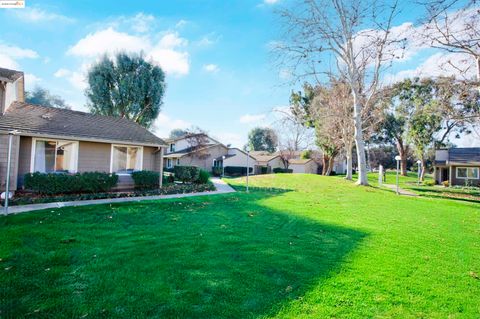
point(10, 75)
point(42, 120)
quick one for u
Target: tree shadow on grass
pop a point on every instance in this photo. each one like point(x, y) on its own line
point(224, 256)
point(445, 194)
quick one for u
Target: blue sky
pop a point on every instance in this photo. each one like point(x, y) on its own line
point(216, 55)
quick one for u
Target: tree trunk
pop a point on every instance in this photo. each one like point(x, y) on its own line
point(422, 171)
point(402, 152)
point(330, 165)
point(349, 162)
point(359, 142)
point(326, 162)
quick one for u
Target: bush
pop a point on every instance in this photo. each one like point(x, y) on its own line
point(25, 199)
point(307, 154)
point(203, 177)
point(429, 183)
point(187, 174)
point(237, 170)
point(277, 170)
point(445, 183)
point(217, 171)
point(146, 179)
point(52, 183)
point(168, 179)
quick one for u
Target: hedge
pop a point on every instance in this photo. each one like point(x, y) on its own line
point(61, 183)
point(146, 179)
point(187, 174)
point(277, 170)
point(237, 170)
point(166, 190)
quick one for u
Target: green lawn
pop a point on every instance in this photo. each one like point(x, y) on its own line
point(296, 246)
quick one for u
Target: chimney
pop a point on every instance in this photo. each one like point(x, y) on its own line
point(12, 88)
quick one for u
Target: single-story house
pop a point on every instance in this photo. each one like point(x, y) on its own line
point(50, 140)
point(203, 151)
point(458, 166)
point(270, 161)
point(304, 166)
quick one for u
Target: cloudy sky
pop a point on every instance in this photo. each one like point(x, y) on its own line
point(216, 54)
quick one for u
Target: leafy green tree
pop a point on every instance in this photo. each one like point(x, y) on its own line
point(263, 139)
point(41, 96)
point(127, 86)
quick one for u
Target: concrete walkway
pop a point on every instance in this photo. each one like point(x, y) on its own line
point(221, 186)
point(400, 190)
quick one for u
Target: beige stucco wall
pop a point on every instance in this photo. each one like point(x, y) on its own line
point(308, 168)
point(24, 158)
point(14, 162)
point(151, 161)
point(205, 161)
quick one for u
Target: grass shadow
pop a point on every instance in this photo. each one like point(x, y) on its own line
point(224, 256)
point(445, 194)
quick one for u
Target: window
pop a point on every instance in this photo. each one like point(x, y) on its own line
point(172, 148)
point(467, 172)
point(178, 161)
point(49, 156)
point(126, 159)
point(169, 163)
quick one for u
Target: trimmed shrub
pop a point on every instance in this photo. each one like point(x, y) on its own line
point(429, 183)
point(167, 190)
point(237, 170)
point(203, 177)
point(146, 179)
point(277, 170)
point(187, 174)
point(217, 171)
point(52, 183)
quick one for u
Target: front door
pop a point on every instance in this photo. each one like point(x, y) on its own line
point(445, 174)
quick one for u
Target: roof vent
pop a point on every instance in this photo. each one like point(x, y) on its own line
point(46, 116)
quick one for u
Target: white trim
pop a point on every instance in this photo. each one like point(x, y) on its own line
point(34, 143)
point(127, 146)
point(467, 168)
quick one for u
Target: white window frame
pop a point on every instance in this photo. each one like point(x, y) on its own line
point(34, 145)
point(122, 145)
point(467, 168)
point(171, 149)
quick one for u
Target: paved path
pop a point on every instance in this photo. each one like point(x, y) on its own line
point(221, 186)
point(400, 190)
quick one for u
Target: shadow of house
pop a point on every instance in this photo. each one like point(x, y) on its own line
point(191, 258)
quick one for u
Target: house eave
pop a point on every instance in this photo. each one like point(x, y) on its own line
point(83, 138)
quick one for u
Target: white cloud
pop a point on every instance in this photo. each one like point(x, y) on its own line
point(168, 52)
point(235, 140)
point(212, 68)
point(37, 15)
point(61, 73)
point(181, 24)
point(31, 81)
point(10, 54)
point(252, 119)
point(142, 22)
point(164, 124)
point(270, 1)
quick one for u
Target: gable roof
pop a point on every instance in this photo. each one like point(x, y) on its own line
point(464, 155)
point(299, 161)
point(190, 150)
point(265, 158)
point(10, 75)
point(36, 120)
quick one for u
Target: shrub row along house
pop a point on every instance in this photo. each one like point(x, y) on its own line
point(50, 140)
point(207, 153)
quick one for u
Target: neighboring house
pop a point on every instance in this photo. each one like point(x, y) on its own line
point(53, 140)
point(458, 166)
point(303, 166)
point(264, 159)
point(203, 151)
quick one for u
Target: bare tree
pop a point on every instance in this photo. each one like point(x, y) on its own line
point(293, 136)
point(349, 38)
point(454, 26)
point(197, 140)
point(332, 109)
